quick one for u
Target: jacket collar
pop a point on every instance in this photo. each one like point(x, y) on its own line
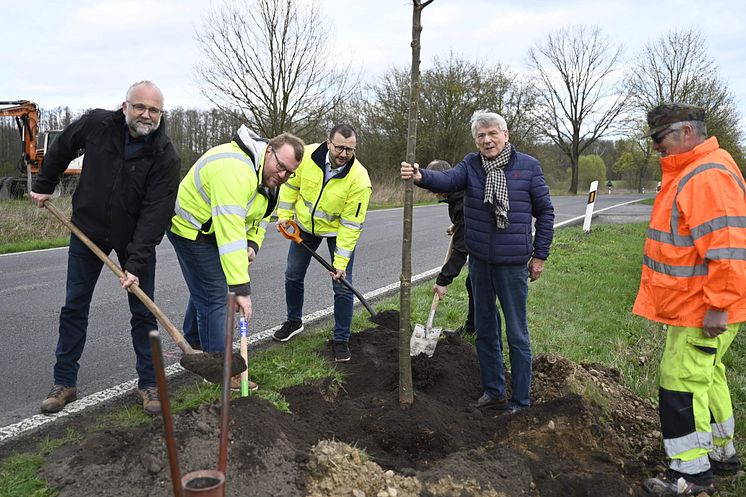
point(677, 162)
point(254, 146)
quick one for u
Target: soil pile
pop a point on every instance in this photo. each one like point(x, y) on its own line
point(586, 435)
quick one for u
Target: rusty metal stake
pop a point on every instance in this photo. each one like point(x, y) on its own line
point(202, 483)
point(168, 426)
point(223, 451)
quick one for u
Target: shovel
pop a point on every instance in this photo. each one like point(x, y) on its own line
point(208, 366)
point(294, 235)
point(424, 339)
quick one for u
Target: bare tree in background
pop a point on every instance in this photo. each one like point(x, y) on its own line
point(270, 61)
point(677, 68)
point(579, 100)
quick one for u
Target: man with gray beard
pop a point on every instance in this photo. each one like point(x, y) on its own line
point(123, 202)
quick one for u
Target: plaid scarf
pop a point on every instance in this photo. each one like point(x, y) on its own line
point(496, 186)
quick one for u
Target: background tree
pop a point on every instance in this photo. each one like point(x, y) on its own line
point(579, 100)
point(591, 168)
point(677, 68)
point(271, 62)
point(636, 163)
point(451, 91)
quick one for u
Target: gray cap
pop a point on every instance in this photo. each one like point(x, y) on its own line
point(662, 116)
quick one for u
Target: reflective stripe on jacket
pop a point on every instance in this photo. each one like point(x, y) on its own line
point(333, 208)
point(221, 195)
point(695, 248)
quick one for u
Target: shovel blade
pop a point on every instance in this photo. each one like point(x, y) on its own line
point(423, 341)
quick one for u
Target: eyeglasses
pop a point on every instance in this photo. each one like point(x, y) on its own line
point(661, 135)
point(341, 148)
point(282, 168)
point(141, 108)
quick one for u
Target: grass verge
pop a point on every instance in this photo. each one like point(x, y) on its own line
point(580, 309)
point(23, 226)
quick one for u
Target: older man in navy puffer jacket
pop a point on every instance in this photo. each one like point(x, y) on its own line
point(505, 190)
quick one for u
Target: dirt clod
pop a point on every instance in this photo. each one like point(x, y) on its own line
point(209, 365)
point(586, 435)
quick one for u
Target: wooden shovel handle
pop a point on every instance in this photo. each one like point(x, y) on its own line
point(134, 289)
point(436, 299)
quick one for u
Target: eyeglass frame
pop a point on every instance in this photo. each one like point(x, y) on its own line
point(661, 135)
point(282, 168)
point(153, 111)
point(341, 148)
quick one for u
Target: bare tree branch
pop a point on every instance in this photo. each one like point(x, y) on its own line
point(677, 68)
point(579, 100)
point(271, 62)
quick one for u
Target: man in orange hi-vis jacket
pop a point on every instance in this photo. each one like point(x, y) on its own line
point(694, 281)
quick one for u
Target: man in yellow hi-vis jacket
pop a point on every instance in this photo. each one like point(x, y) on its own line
point(222, 210)
point(694, 280)
point(328, 198)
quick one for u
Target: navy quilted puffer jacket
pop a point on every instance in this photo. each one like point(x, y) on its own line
point(529, 198)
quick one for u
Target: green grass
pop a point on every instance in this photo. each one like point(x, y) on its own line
point(23, 226)
point(580, 308)
point(18, 473)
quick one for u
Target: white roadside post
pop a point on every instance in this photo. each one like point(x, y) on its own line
point(589, 207)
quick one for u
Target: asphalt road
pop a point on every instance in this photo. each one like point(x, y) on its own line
point(32, 292)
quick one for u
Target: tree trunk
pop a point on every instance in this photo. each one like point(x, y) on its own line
point(406, 391)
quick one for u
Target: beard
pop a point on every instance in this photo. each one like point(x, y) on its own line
point(141, 127)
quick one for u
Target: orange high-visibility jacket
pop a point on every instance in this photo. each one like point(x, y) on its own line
point(695, 249)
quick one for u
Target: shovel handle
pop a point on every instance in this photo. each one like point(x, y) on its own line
point(134, 288)
point(243, 327)
point(436, 298)
point(295, 236)
point(431, 316)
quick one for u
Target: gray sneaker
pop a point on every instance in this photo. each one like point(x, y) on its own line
point(57, 398)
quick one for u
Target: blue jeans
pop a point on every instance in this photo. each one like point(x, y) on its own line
point(298, 260)
point(83, 270)
point(509, 285)
point(206, 311)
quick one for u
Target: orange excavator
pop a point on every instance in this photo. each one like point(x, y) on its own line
point(26, 114)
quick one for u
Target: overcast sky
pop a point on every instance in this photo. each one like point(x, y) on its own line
point(84, 53)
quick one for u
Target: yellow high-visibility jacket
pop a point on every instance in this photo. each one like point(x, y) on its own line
point(695, 249)
point(325, 209)
point(222, 196)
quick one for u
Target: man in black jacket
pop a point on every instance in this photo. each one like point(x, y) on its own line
point(123, 202)
point(458, 255)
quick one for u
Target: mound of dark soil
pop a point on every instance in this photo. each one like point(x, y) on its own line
point(586, 435)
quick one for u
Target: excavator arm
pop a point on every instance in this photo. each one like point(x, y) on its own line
point(26, 114)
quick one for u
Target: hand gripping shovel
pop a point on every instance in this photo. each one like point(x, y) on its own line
point(294, 235)
point(424, 339)
point(208, 366)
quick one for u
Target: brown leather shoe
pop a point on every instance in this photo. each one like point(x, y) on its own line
point(57, 398)
point(236, 384)
point(150, 401)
